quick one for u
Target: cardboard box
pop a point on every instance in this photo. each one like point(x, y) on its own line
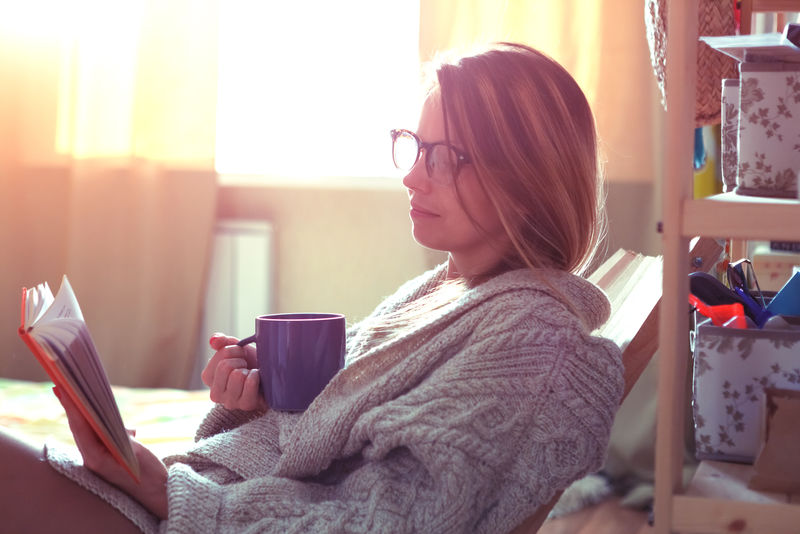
point(731, 369)
point(777, 467)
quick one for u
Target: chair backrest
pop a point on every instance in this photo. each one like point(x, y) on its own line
point(704, 255)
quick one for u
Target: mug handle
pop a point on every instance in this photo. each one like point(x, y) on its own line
point(246, 341)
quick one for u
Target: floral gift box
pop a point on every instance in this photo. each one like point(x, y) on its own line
point(729, 116)
point(769, 129)
point(731, 369)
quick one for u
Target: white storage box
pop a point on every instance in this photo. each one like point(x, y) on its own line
point(769, 129)
point(729, 116)
point(731, 369)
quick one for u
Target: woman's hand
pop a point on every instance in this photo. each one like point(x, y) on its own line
point(232, 375)
point(150, 491)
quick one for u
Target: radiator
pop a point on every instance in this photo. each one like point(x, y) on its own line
point(240, 283)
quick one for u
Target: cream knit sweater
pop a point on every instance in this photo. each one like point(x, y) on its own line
point(465, 424)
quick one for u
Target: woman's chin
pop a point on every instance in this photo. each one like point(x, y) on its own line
point(426, 240)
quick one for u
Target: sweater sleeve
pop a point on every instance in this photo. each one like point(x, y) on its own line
point(219, 419)
point(516, 414)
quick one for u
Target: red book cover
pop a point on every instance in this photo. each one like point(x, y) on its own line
point(55, 332)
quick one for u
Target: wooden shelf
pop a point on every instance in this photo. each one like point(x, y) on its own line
point(718, 500)
point(737, 216)
point(728, 480)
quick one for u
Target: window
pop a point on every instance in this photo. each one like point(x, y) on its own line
point(312, 88)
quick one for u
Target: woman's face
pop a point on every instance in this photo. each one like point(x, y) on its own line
point(439, 220)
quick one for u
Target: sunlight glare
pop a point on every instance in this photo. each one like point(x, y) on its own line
point(98, 78)
point(311, 89)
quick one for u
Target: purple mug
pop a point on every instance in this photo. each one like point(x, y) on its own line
point(298, 354)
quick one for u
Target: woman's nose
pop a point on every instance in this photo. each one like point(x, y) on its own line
point(417, 177)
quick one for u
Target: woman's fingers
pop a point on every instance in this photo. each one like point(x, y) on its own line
point(231, 374)
point(249, 353)
point(226, 352)
point(237, 388)
point(251, 394)
point(222, 373)
point(219, 341)
point(94, 452)
point(231, 398)
point(221, 355)
point(150, 490)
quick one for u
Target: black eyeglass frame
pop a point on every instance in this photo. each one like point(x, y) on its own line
point(461, 158)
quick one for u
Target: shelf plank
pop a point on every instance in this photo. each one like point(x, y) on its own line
point(731, 215)
point(718, 500)
point(693, 515)
point(728, 480)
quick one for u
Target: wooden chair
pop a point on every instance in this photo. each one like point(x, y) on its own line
point(704, 255)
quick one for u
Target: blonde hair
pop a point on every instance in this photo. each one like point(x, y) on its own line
point(530, 133)
point(531, 138)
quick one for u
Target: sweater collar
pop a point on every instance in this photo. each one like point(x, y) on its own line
point(587, 301)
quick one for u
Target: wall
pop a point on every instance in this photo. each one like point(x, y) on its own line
point(343, 246)
point(338, 247)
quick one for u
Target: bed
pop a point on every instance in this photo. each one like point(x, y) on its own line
point(164, 419)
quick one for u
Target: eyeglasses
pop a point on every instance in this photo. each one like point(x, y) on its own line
point(442, 161)
point(742, 275)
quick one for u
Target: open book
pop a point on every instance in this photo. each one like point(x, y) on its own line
point(54, 330)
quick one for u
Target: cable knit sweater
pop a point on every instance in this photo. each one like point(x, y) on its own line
point(467, 423)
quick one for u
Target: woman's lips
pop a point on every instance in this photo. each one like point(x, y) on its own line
point(419, 211)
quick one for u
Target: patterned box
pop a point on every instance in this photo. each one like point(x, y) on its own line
point(769, 129)
point(731, 369)
point(729, 117)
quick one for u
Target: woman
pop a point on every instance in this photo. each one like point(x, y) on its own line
point(471, 395)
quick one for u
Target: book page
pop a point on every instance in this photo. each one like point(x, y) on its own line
point(37, 301)
point(69, 342)
point(58, 350)
point(65, 305)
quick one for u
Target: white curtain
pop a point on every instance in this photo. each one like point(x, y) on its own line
point(601, 43)
point(107, 113)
